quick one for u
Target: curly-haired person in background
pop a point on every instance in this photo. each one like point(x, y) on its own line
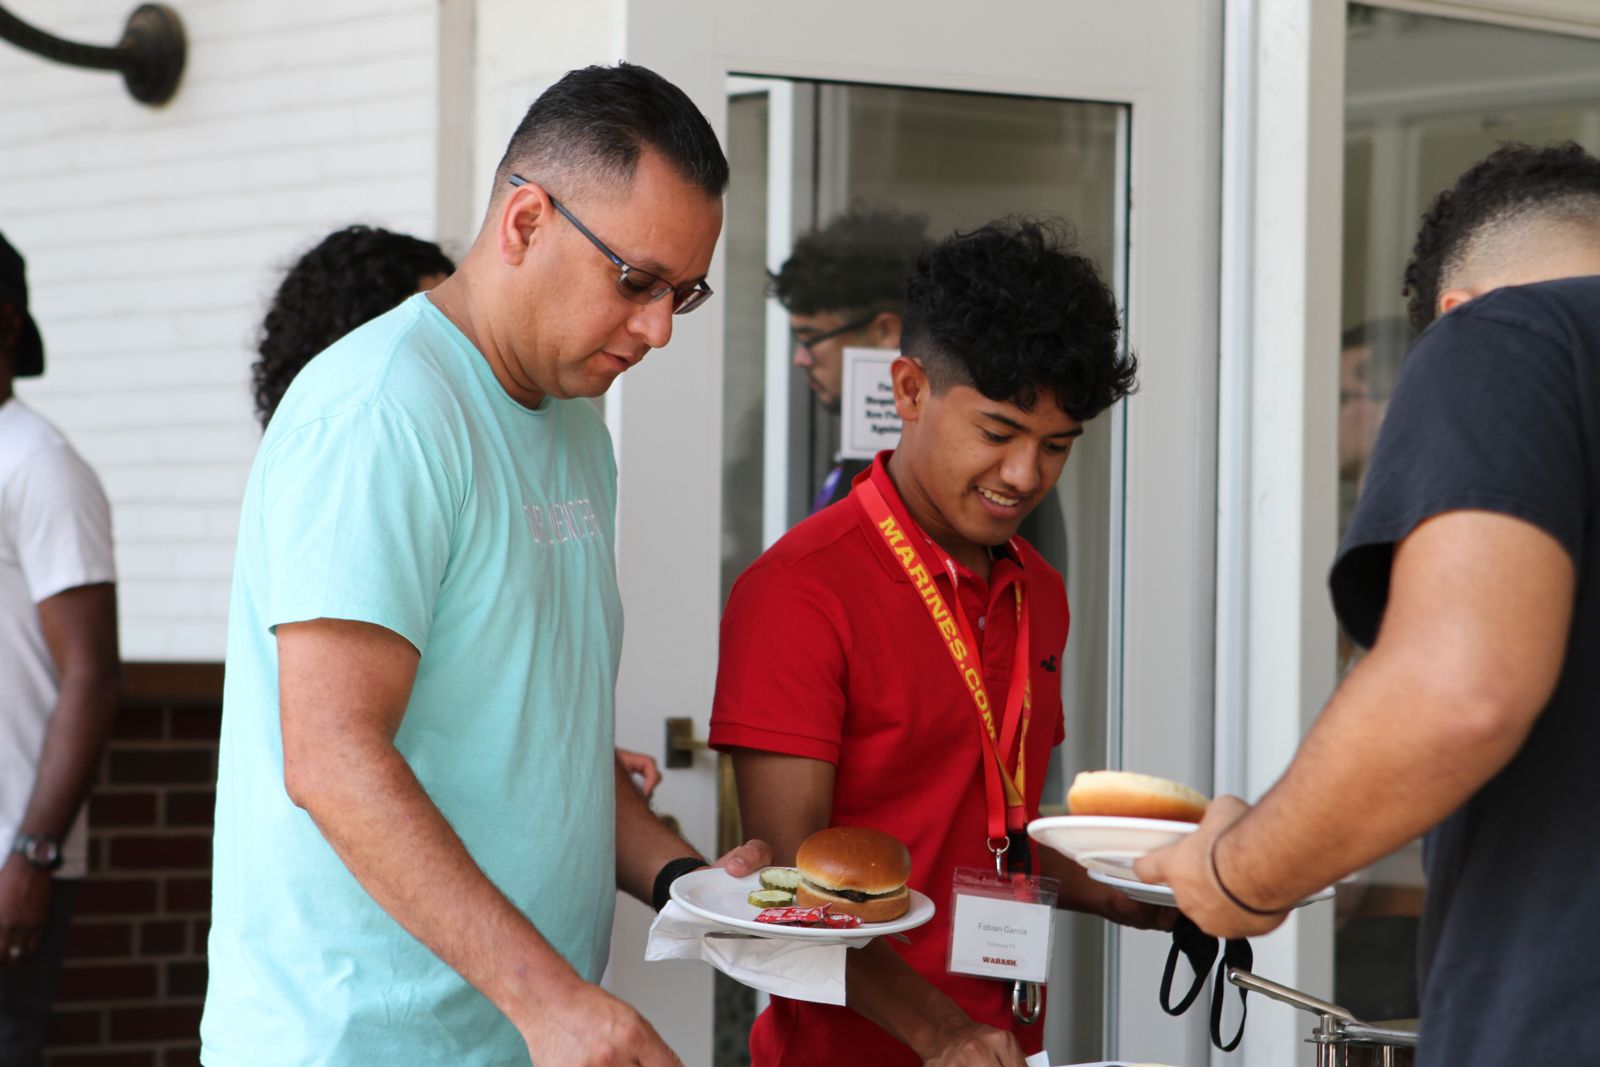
point(348, 279)
point(1469, 570)
point(860, 715)
point(351, 277)
point(844, 286)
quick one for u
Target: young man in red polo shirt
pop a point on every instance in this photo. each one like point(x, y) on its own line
point(838, 689)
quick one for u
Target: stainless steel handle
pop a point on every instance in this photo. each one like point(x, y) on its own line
point(681, 747)
point(1266, 987)
point(1380, 1035)
point(1337, 1029)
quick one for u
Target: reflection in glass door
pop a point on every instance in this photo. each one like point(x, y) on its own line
point(1427, 98)
point(807, 154)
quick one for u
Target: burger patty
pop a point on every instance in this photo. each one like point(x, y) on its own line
point(851, 894)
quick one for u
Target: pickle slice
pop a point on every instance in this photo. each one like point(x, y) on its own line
point(785, 878)
point(770, 898)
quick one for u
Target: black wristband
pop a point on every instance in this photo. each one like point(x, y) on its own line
point(671, 873)
point(1235, 901)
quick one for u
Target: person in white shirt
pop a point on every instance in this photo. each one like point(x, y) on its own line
point(58, 677)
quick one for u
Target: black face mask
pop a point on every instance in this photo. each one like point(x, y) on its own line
point(1200, 948)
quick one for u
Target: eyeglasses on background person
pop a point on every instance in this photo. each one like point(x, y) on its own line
point(828, 335)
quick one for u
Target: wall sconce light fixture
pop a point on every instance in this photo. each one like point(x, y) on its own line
point(149, 57)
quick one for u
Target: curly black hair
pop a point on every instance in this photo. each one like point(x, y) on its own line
point(1013, 309)
point(1515, 182)
point(352, 276)
point(857, 263)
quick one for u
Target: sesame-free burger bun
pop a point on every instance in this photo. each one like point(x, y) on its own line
point(854, 857)
point(860, 871)
point(1141, 796)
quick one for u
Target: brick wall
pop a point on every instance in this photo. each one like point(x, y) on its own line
point(135, 973)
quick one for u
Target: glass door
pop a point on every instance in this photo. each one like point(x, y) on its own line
point(1109, 114)
point(896, 169)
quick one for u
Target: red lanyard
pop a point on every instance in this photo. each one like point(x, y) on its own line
point(1005, 792)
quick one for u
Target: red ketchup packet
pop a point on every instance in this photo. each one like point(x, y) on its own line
point(818, 916)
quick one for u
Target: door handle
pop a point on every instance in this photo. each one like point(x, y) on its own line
point(682, 744)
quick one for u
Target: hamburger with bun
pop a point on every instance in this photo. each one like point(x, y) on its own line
point(1141, 796)
point(858, 870)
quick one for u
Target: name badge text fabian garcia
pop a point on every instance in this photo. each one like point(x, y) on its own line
point(995, 938)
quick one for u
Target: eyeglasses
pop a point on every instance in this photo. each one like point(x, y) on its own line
point(638, 286)
point(828, 335)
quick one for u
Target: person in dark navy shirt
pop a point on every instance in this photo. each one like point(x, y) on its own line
point(1470, 571)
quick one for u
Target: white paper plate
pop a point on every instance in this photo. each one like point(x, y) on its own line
point(1155, 893)
point(712, 894)
point(1106, 843)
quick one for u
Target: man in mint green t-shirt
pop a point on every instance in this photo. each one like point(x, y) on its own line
point(420, 823)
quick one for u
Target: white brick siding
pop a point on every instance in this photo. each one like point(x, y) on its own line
point(154, 238)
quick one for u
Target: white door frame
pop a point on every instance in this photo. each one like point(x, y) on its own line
point(1162, 57)
point(1276, 521)
point(789, 181)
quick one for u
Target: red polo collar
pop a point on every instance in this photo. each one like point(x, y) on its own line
point(1007, 564)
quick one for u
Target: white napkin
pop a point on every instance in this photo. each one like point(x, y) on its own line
point(800, 969)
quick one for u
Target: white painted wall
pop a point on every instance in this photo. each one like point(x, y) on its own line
point(521, 48)
point(155, 237)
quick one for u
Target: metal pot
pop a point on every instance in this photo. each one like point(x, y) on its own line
point(1342, 1040)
